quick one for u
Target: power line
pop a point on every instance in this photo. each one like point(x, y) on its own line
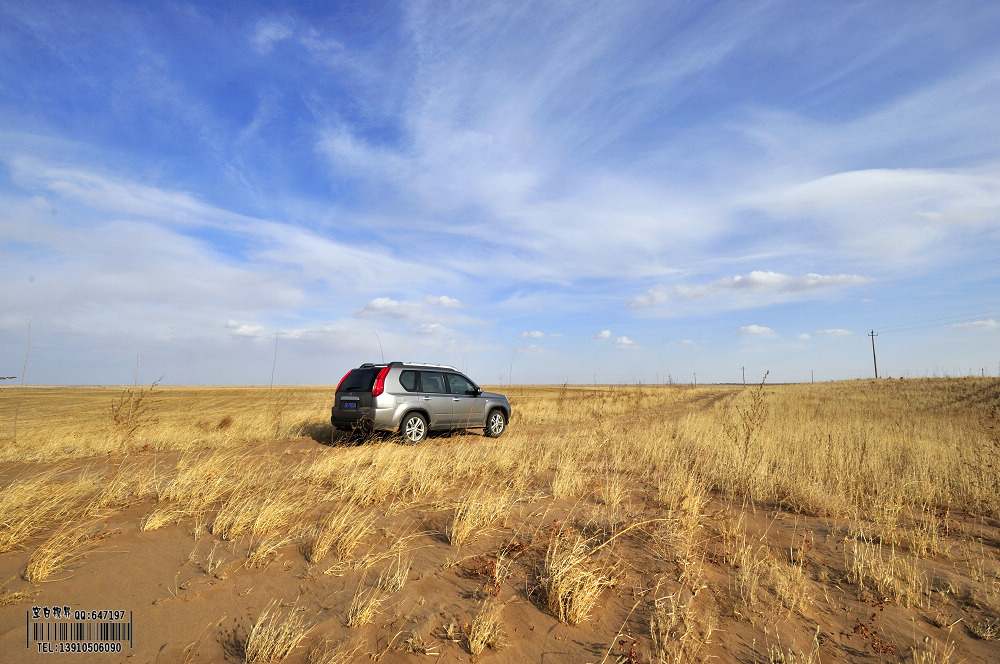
point(904, 327)
point(940, 322)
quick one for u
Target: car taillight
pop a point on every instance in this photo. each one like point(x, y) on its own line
point(380, 382)
point(343, 379)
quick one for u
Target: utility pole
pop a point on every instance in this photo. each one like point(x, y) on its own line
point(812, 375)
point(744, 376)
point(873, 335)
point(696, 379)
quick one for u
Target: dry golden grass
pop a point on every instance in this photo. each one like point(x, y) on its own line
point(30, 505)
point(273, 636)
point(696, 492)
point(571, 579)
point(342, 530)
point(59, 423)
point(68, 544)
point(476, 510)
point(679, 633)
point(365, 604)
point(890, 573)
point(486, 630)
point(328, 651)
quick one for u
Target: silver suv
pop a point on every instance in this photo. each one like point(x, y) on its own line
point(414, 399)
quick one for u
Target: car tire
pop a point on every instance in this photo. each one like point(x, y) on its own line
point(496, 424)
point(413, 429)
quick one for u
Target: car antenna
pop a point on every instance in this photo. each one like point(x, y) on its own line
point(379, 345)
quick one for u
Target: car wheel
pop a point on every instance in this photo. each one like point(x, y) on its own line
point(496, 423)
point(414, 428)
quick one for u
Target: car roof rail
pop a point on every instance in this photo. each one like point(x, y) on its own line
point(423, 364)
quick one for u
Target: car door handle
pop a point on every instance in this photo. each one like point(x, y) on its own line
point(455, 399)
point(427, 398)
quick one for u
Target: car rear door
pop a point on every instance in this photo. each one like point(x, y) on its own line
point(467, 405)
point(354, 397)
point(435, 398)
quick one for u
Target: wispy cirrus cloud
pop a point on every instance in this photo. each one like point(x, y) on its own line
point(757, 331)
point(548, 166)
point(443, 301)
point(988, 324)
point(386, 307)
point(763, 285)
point(270, 31)
point(434, 316)
point(904, 216)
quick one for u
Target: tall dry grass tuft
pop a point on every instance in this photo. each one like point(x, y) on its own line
point(679, 634)
point(888, 573)
point(31, 505)
point(365, 604)
point(273, 636)
point(571, 582)
point(68, 544)
point(486, 629)
point(342, 530)
point(259, 510)
point(328, 651)
point(476, 510)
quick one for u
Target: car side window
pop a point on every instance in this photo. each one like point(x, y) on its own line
point(408, 379)
point(460, 385)
point(432, 381)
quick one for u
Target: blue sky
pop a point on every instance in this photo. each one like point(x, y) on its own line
point(537, 192)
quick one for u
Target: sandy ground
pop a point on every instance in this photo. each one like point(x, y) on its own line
point(190, 599)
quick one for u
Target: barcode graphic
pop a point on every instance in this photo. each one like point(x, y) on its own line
point(81, 631)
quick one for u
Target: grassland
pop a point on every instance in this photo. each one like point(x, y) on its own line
point(854, 521)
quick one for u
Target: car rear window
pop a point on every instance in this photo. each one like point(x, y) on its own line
point(432, 381)
point(360, 380)
point(408, 379)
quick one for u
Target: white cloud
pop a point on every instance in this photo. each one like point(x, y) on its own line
point(443, 301)
point(430, 328)
point(625, 343)
point(327, 49)
point(897, 216)
point(989, 324)
point(836, 332)
point(760, 286)
point(603, 334)
point(244, 330)
point(532, 335)
point(385, 307)
point(805, 336)
point(433, 314)
point(352, 157)
point(269, 32)
point(272, 243)
point(756, 330)
point(557, 334)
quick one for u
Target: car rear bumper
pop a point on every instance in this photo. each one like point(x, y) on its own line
point(345, 420)
point(382, 419)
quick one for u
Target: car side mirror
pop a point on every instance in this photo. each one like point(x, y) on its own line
point(477, 391)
